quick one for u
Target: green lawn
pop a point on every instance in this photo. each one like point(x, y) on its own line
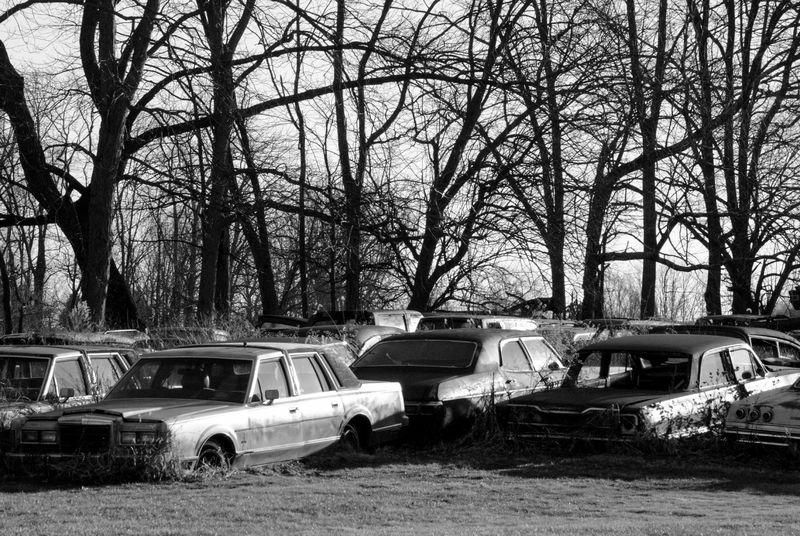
point(449, 491)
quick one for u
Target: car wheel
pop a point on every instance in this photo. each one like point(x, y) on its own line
point(213, 456)
point(350, 440)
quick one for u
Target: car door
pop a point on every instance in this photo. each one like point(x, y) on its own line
point(519, 376)
point(274, 432)
point(321, 407)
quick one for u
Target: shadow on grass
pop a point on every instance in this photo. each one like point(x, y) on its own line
point(702, 464)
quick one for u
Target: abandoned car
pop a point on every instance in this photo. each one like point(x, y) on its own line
point(237, 404)
point(449, 374)
point(37, 379)
point(664, 386)
point(775, 348)
point(771, 418)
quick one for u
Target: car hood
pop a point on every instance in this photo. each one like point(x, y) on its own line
point(10, 411)
point(416, 383)
point(576, 399)
point(150, 409)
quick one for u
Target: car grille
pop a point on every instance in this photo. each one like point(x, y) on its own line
point(85, 438)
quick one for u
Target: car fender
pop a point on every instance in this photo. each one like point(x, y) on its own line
point(214, 430)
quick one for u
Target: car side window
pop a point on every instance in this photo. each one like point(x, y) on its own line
point(712, 371)
point(620, 363)
point(310, 375)
point(540, 353)
point(107, 371)
point(271, 375)
point(765, 348)
point(590, 368)
point(742, 362)
point(69, 373)
point(787, 351)
point(512, 356)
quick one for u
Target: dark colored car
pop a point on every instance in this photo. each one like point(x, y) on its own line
point(662, 385)
point(775, 348)
point(448, 376)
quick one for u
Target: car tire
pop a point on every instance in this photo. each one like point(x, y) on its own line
point(350, 440)
point(213, 456)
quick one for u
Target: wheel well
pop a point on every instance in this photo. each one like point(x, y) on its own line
point(364, 428)
point(225, 442)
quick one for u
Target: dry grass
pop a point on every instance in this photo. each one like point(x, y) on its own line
point(477, 489)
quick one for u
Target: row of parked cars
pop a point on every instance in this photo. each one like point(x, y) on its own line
point(249, 403)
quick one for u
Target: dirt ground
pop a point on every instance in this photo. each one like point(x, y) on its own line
point(447, 491)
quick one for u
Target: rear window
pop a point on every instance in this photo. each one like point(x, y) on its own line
point(419, 353)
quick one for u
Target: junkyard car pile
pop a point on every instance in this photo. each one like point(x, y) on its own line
point(250, 403)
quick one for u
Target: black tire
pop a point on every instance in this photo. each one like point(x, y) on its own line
point(213, 456)
point(350, 439)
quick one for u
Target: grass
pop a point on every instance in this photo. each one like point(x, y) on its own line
point(479, 489)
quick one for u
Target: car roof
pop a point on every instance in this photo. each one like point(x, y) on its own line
point(482, 335)
point(681, 343)
point(235, 350)
point(741, 332)
point(43, 351)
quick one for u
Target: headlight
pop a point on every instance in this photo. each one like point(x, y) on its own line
point(146, 438)
point(30, 436)
point(48, 436)
point(138, 435)
point(754, 414)
point(741, 413)
point(628, 424)
point(767, 416)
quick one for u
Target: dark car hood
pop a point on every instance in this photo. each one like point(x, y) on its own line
point(575, 399)
point(416, 383)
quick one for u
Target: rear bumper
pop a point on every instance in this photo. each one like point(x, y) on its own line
point(778, 436)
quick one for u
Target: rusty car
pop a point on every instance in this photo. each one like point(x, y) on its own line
point(661, 385)
point(450, 376)
point(226, 404)
point(771, 418)
point(38, 379)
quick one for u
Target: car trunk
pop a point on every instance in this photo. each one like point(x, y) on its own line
point(417, 383)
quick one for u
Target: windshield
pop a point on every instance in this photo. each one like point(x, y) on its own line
point(225, 380)
point(419, 353)
point(21, 377)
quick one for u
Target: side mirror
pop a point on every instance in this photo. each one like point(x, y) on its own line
point(747, 375)
point(65, 393)
point(553, 365)
point(271, 394)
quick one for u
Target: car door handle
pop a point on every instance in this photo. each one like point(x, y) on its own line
point(334, 404)
point(292, 410)
point(508, 382)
